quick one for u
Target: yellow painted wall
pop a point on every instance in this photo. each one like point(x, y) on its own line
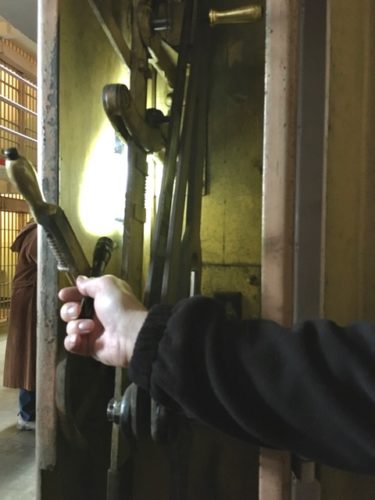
point(92, 179)
point(349, 278)
point(350, 241)
point(92, 174)
point(231, 211)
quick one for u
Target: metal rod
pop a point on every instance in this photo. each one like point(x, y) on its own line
point(160, 237)
point(17, 105)
point(18, 134)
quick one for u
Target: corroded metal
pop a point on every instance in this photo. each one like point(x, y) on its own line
point(47, 272)
point(279, 163)
point(248, 14)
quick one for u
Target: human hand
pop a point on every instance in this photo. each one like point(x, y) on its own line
point(110, 335)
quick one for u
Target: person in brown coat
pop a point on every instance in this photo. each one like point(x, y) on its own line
point(20, 354)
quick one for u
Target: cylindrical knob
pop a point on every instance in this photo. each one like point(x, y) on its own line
point(131, 412)
point(118, 412)
point(114, 411)
point(247, 14)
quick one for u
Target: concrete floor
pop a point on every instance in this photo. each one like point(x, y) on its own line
point(17, 448)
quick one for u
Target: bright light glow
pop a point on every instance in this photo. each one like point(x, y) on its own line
point(102, 194)
point(153, 185)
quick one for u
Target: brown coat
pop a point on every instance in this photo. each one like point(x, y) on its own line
point(20, 354)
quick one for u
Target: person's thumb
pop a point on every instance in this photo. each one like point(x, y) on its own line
point(83, 285)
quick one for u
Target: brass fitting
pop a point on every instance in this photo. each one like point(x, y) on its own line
point(248, 14)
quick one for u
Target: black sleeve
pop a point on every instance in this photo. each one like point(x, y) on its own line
point(310, 390)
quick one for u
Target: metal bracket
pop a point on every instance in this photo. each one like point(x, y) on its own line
point(161, 57)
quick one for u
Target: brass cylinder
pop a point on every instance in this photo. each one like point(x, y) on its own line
point(241, 15)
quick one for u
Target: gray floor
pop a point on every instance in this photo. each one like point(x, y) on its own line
point(17, 448)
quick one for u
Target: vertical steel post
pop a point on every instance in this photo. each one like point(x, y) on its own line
point(47, 271)
point(279, 162)
point(309, 192)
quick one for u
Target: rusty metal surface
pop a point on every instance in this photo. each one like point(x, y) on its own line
point(280, 132)
point(47, 271)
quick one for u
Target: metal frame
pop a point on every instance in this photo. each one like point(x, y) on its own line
point(48, 154)
point(279, 163)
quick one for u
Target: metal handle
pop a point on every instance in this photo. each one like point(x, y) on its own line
point(23, 176)
point(248, 14)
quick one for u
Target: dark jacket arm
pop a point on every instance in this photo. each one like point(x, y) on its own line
point(309, 389)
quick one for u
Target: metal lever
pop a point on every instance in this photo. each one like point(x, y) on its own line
point(125, 118)
point(60, 235)
point(102, 253)
point(73, 412)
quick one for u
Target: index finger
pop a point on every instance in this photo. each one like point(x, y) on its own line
point(69, 294)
